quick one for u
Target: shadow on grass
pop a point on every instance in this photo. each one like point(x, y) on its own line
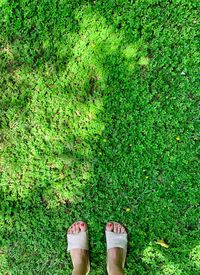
point(89, 139)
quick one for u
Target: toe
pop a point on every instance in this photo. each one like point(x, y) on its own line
point(119, 228)
point(123, 230)
point(69, 231)
point(74, 228)
point(109, 226)
point(115, 228)
point(82, 226)
point(77, 229)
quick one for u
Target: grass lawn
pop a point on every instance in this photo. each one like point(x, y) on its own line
point(99, 122)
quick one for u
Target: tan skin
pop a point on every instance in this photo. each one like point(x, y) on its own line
point(80, 256)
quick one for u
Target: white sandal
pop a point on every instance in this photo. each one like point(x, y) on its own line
point(117, 240)
point(78, 240)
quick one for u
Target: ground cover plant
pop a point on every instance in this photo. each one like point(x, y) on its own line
point(99, 122)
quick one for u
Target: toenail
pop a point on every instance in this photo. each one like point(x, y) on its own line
point(110, 224)
point(82, 224)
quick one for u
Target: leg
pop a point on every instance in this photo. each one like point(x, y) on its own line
point(80, 262)
point(79, 256)
point(115, 261)
point(80, 270)
point(115, 255)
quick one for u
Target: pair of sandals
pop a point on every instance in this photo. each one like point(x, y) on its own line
point(79, 239)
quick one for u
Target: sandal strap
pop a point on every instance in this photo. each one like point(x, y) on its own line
point(116, 240)
point(78, 240)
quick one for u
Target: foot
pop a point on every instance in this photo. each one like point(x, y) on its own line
point(115, 256)
point(79, 256)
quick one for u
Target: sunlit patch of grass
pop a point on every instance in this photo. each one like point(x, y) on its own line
point(171, 268)
point(144, 61)
point(48, 139)
point(151, 253)
point(156, 258)
point(194, 256)
point(3, 259)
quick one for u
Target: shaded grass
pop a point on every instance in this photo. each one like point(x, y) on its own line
point(99, 116)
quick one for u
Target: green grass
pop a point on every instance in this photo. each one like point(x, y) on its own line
point(98, 116)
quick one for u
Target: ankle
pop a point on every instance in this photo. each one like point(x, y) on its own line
point(115, 257)
point(80, 268)
point(81, 261)
point(115, 269)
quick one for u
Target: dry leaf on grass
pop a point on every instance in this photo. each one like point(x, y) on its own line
point(162, 243)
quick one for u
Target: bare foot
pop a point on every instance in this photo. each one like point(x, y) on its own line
point(116, 254)
point(79, 256)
